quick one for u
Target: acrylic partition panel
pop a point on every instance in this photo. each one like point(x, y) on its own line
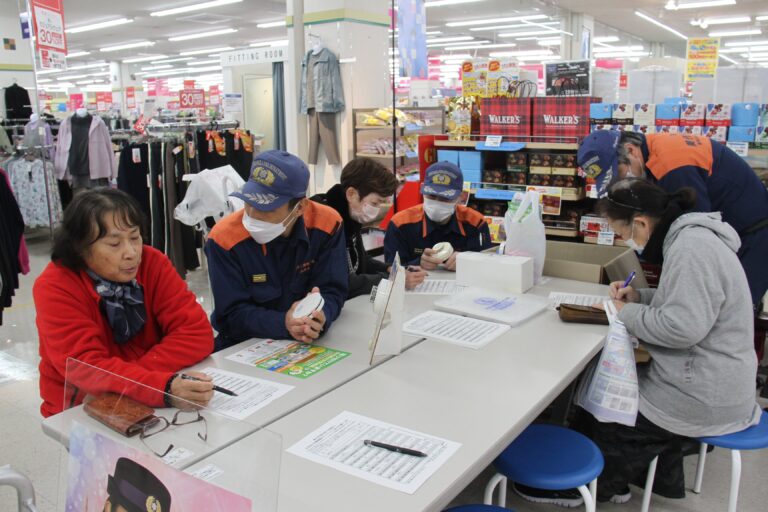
point(135, 445)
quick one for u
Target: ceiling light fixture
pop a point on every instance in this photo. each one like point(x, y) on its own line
point(624, 53)
point(660, 24)
point(161, 66)
point(127, 46)
point(211, 50)
point(527, 33)
point(606, 39)
point(74, 55)
point(204, 62)
point(632, 48)
point(168, 61)
point(549, 42)
point(523, 53)
point(454, 56)
point(148, 58)
point(758, 42)
point(97, 26)
point(194, 7)
point(71, 77)
point(761, 18)
point(730, 33)
point(271, 24)
point(88, 66)
point(706, 22)
point(274, 44)
point(433, 40)
point(496, 20)
point(673, 5)
point(478, 45)
point(200, 35)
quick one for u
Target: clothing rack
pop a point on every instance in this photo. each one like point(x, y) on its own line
point(44, 151)
point(164, 128)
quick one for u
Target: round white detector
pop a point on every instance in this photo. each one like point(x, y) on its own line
point(308, 305)
point(381, 292)
point(443, 250)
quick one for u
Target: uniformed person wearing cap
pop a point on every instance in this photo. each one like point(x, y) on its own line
point(264, 259)
point(413, 232)
point(133, 488)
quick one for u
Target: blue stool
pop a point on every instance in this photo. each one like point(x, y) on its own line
point(753, 438)
point(478, 508)
point(549, 457)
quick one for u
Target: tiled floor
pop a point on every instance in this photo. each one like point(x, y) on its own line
point(23, 445)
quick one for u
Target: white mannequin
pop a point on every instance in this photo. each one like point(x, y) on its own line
point(317, 44)
point(81, 112)
point(34, 118)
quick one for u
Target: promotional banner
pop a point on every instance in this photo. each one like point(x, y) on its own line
point(77, 100)
point(702, 58)
point(162, 87)
point(189, 84)
point(192, 98)
point(130, 97)
point(568, 78)
point(151, 86)
point(48, 21)
point(103, 101)
point(412, 38)
point(214, 96)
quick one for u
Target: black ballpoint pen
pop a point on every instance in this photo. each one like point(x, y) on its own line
point(393, 448)
point(215, 387)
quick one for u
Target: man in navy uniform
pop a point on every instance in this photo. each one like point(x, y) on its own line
point(413, 232)
point(264, 259)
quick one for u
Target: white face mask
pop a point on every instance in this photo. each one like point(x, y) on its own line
point(437, 211)
point(367, 214)
point(634, 245)
point(264, 232)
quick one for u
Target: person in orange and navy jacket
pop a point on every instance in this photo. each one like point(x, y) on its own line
point(413, 232)
point(723, 182)
point(264, 259)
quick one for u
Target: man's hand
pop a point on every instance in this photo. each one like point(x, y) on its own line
point(187, 394)
point(617, 292)
point(428, 260)
point(305, 329)
point(414, 276)
point(450, 263)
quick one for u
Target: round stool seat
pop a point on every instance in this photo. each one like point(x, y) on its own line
point(752, 438)
point(478, 508)
point(550, 457)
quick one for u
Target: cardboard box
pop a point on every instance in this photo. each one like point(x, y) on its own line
point(761, 135)
point(742, 134)
point(718, 133)
point(692, 115)
point(448, 155)
point(564, 160)
point(592, 263)
point(667, 129)
point(645, 129)
point(496, 271)
point(667, 115)
point(718, 114)
point(600, 113)
point(645, 113)
point(516, 176)
point(745, 114)
point(623, 127)
point(472, 175)
point(494, 176)
point(691, 130)
point(517, 159)
point(470, 160)
point(564, 180)
point(597, 127)
point(623, 113)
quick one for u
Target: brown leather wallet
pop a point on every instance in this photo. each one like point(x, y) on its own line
point(574, 313)
point(120, 413)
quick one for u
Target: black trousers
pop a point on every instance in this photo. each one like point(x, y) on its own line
point(629, 450)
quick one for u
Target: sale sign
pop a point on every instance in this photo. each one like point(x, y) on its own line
point(130, 97)
point(214, 96)
point(103, 101)
point(162, 87)
point(48, 21)
point(192, 98)
point(151, 86)
point(77, 99)
point(189, 84)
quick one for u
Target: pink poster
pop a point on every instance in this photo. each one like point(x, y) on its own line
point(106, 475)
point(77, 100)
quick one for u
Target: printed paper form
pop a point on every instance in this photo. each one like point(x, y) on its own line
point(339, 444)
point(557, 298)
point(259, 351)
point(460, 330)
point(436, 287)
point(253, 393)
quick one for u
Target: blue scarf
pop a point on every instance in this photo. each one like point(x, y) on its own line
point(123, 305)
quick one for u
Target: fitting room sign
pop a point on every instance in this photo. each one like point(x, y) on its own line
point(48, 21)
point(254, 56)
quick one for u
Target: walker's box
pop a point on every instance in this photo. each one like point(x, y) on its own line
point(592, 263)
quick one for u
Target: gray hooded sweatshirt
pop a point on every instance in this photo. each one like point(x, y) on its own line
point(698, 327)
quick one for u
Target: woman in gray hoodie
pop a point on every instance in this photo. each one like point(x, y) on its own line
point(697, 326)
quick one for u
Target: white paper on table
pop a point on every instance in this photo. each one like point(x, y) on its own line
point(460, 330)
point(176, 455)
point(253, 393)
point(557, 298)
point(339, 444)
point(262, 349)
point(207, 472)
point(436, 287)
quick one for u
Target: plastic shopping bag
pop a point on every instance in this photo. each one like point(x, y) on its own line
point(609, 389)
point(525, 232)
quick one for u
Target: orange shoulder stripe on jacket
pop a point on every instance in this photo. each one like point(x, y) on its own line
point(469, 215)
point(229, 231)
point(409, 215)
point(667, 152)
point(319, 216)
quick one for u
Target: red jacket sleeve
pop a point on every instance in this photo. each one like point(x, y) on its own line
point(187, 333)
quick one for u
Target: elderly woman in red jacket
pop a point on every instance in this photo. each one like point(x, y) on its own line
point(119, 309)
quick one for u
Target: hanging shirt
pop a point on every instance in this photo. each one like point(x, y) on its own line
point(78, 163)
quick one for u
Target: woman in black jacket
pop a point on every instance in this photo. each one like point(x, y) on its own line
point(365, 186)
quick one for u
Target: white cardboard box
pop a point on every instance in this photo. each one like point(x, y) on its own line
point(495, 271)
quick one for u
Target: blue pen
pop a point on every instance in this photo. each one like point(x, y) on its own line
point(630, 278)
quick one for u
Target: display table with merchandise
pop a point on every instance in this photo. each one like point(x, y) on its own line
point(481, 399)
